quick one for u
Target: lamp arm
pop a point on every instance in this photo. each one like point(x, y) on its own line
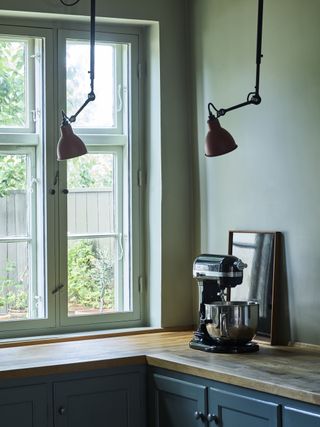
point(92, 45)
point(91, 95)
point(255, 100)
point(253, 97)
point(259, 42)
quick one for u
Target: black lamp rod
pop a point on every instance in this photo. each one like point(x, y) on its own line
point(259, 42)
point(253, 97)
point(91, 95)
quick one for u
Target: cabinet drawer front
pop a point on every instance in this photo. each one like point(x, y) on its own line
point(293, 417)
point(176, 402)
point(24, 406)
point(110, 401)
point(233, 409)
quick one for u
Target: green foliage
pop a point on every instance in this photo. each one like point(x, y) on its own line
point(12, 174)
point(12, 83)
point(13, 295)
point(90, 276)
point(91, 171)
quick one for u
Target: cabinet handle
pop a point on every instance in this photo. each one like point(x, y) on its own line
point(198, 415)
point(212, 417)
point(62, 410)
point(65, 191)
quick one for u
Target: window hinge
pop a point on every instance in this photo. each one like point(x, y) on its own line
point(141, 284)
point(35, 115)
point(36, 56)
point(140, 178)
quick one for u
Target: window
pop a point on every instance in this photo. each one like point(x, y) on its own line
point(70, 231)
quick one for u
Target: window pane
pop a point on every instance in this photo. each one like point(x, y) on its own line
point(13, 93)
point(14, 281)
point(93, 244)
point(91, 199)
point(91, 276)
point(101, 112)
point(13, 195)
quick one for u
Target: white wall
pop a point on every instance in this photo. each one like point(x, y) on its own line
point(271, 182)
point(168, 219)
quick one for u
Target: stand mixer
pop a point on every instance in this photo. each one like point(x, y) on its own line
point(224, 326)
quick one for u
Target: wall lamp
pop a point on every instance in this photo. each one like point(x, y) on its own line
point(69, 144)
point(218, 140)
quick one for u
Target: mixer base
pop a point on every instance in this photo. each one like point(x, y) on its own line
point(250, 347)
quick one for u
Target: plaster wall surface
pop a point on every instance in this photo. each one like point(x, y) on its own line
point(271, 182)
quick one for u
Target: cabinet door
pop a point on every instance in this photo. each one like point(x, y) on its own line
point(109, 401)
point(297, 418)
point(176, 403)
point(232, 409)
point(23, 406)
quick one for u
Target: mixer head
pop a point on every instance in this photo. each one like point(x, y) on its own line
point(226, 270)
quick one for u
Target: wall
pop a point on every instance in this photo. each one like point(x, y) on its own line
point(271, 182)
point(168, 217)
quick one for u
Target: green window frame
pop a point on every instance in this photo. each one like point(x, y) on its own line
point(46, 98)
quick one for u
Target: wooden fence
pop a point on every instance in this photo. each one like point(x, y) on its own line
point(89, 212)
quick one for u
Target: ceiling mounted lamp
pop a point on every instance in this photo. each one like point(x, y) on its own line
point(218, 140)
point(69, 144)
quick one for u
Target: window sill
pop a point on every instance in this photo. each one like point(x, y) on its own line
point(48, 339)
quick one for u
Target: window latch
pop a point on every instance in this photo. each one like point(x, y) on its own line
point(52, 191)
point(57, 289)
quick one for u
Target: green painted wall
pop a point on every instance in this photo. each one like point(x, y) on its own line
point(271, 182)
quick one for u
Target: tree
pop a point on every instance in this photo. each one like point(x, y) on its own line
point(90, 276)
point(12, 83)
point(12, 173)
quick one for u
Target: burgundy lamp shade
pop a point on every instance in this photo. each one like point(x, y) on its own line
point(69, 144)
point(218, 140)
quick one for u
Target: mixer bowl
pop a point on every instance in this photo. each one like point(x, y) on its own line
point(232, 322)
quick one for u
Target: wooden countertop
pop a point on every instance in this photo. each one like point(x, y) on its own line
point(285, 371)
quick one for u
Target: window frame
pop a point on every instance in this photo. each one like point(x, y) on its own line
point(52, 224)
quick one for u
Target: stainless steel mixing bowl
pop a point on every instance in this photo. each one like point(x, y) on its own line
point(233, 321)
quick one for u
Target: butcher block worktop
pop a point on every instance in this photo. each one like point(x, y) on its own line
point(285, 371)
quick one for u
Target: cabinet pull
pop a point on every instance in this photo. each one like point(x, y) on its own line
point(198, 415)
point(62, 410)
point(212, 417)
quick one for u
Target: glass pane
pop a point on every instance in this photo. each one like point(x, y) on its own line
point(13, 195)
point(91, 199)
point(13, 93)
point(14, 281)
point(91, 276)
point(101, 112)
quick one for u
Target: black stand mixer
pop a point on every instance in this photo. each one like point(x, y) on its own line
point(224, 326)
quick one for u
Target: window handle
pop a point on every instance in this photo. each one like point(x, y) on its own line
point(57, 289)
point(33, 183)
point(120, 247)
point(120, 104)
point(55, 182)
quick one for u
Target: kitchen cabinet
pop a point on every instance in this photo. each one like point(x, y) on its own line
point(113, 397)
point(295, 417)
point(228, 409)
point(176, 402)
point(23, 406)
point(110, 401)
